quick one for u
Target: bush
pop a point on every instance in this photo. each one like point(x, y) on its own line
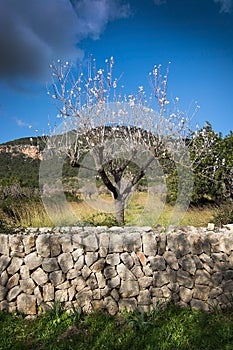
point(224, 215)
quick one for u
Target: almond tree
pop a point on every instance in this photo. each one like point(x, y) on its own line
point(125, 136)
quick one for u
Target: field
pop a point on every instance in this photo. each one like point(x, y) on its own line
point(100, 211)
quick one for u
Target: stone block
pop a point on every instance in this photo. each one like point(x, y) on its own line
point(90, 258)
point(186, 294)
point(56, 277)
point(4, 262)
point(43, 245)
point(3, 292)
point(14, 265)
point(48, 292)
point(26, 304)
point(13, 293)
point(125, 273)
point(202, 277)
point(111, 305)
point(33, 261)
point(55, 247)
point(188, 264)
point(132, 241)
point(171, 260)
point(149, 244)
point(66, 243)
point(161, 278)
point(144, 297)
point(61, 295)
point(98, 265)
point(110, 272)
point(129, 304)
point(113, 259)
point(29, 243)
point(184, 279)
point(77, 253)
point(157, 263)
point(129, 288)
point(50, 264)
point(24, 272)
point(4, 278)
point(4, 244)
point(201, 292)
point(65, 261)
point(114, 282)
point(86, 272)
point(115, 243)
point(39, 276)
point(27, 285)
point(13, 281)
point(127, 260)
point(145, 282)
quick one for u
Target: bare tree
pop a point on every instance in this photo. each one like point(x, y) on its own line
point(116, 137)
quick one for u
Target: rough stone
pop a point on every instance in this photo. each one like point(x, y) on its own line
point(26, 304)
point(29, 243)
point(39, 276)
point(55, 247)
point(27, 285)
point(4, 244)
point(129, 288)
point(157, 263)
point(4, 278)
point(4, 262)
point(43, 245)
point(79, 263)
point(129, 304)
point(124, 273)
point(111, 305)
point(98, 265)
point(113, 259)
point(127, 260)
point(90, 258)
point(184, 279)
point(24, 272)
point(201, 292)
point(144, 297)
point(50, 264)
point(33, 261)
point(13, 281)
point(160, 279)
point(13, 293)
point(145, 282)
point(188, 264)
point(110, 272)
point(186, 294)
point(56, 278)
point(114, 282)
point(48, 292)
point(202, 277)
point(3, 292)
point(14, 265)
point(65, 241)
point(149, 244)
point(171, 260)
point(65, 261)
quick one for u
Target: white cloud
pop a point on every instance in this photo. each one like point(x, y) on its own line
point(226, 5)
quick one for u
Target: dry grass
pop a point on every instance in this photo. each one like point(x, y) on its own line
point(98, 211)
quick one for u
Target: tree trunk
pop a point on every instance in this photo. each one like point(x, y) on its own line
point(120, 210)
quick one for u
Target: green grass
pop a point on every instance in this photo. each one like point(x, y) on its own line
point(170, 328)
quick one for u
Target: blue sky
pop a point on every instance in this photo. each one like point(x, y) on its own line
point(195, 35)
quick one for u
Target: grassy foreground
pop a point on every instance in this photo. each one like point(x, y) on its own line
point(31, 213)
point(170, 328)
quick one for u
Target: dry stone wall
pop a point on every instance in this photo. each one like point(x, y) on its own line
point(115, 269)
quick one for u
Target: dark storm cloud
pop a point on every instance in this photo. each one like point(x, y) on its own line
point(32, 33)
